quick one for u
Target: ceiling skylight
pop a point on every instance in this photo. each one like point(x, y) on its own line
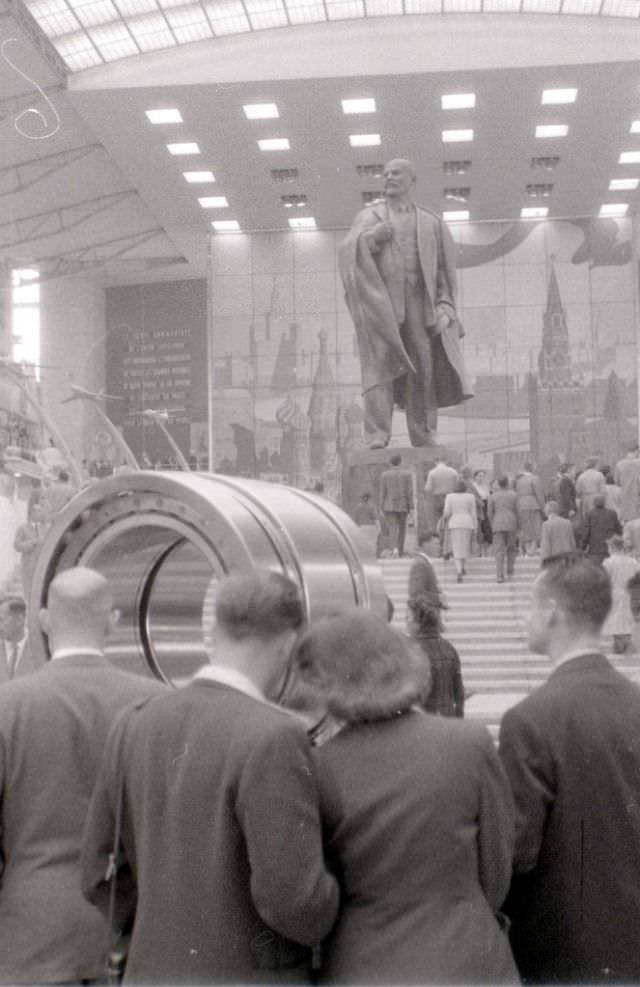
point(92, 32)
point(186, 147)
point(164, 116)
point(552, 130)
point(274, 144)
point(199, 177)
point(225, 225)
point(635, 127)
point(613, 209)
point(534, 212)
point(623, 184)
point(358, 105)
point(260, 111)
point(458, 101)
point(213, 202)
point(629, 157)
point(558, 96)
point(452, 136)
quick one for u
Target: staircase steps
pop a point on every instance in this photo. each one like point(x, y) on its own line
point(487, 623)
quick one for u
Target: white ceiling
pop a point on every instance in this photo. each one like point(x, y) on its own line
point(98, 190)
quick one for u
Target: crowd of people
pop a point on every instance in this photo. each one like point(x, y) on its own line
point(198, 835)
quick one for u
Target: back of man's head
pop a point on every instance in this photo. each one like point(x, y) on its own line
point(396, 459)
point(579, 588)
point(261, 604)
point(551, 507)
point(79, 608)
point(592, 462)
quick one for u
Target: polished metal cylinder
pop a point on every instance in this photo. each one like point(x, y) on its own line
point(164, 540)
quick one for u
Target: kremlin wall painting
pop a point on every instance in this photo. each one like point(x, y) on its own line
point(549, 310)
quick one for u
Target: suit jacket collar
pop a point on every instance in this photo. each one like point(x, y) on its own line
point(595, 661)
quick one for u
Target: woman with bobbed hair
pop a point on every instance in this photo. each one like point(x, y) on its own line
point(417, 815)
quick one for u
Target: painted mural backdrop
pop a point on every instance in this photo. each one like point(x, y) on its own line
point(549, 313)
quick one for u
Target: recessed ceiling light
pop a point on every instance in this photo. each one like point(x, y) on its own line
point(302, 223)
point(260, 111)
point(188, 147)
point(621, 184)
point(534, 212)
point(452, 136)
point(274, 144)
point(613, 209)
point(213, 202)
point(552, 130)
point(225, 225)
point(455, 215)
point(364, 140)
point(629, 157)
point(358, 105)
point(559, 96)
point(199, 177)
point(164, 116)
point(635, 127)
point(458, 101)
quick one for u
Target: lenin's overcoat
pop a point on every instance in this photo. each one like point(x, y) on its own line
point(53, 728)
point(572, 753)
point(374, 291)
point(222, 838)
point(419, 829)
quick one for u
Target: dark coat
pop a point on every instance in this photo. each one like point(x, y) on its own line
point(571, 753)
point(222, 837)
point(25, 665)
point(53, 728)
point(502, 509)
point(396, 490)
point(599, 525)
point(446, 696)
point(563, 491)
point(419, 828)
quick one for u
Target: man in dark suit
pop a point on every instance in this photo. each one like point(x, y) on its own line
point(563, 491)
point(16, 658)
point(599, 525)
point(221, 827)
point(571, 753)
point(53, 727)
point(396, 501)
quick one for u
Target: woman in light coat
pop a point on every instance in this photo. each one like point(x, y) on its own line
point(461, 518)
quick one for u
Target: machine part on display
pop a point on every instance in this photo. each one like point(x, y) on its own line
point(164, 540)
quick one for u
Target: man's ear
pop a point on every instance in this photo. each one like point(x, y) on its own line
point(44, 621)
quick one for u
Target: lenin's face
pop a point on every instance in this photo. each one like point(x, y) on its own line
point(398, 177)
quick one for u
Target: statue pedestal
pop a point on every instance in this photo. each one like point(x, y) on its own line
point(364, 467)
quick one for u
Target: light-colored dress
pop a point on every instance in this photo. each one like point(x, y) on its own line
point(461, 519)
point(620, 568)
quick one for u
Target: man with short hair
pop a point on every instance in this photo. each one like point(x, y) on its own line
point(627, 476)
point(589, 485)
point(571, 753)
point(599, 525)
point(53, 727)
point(441, 480)
point(396, 501)
point(223, 877)
point(557, 533)
point(16, 658)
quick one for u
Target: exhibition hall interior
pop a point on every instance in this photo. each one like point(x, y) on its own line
point(178, 181)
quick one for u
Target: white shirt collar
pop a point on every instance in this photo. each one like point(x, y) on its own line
point(229, 676)
point(71, 652)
